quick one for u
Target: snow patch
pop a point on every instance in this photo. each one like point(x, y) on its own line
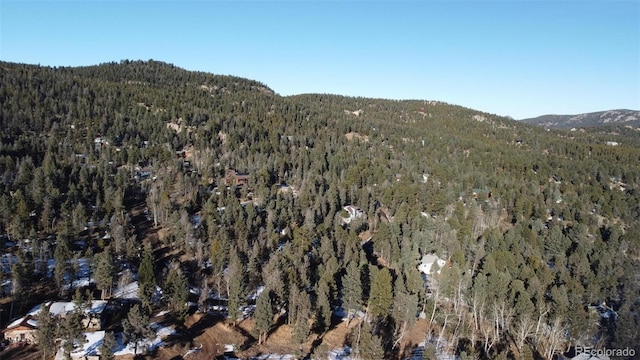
point(91, 347)
point(193, 351)
point(254, 295)
point(274, 357)
point(343, 353)
point(162, 331)
point(129, 291)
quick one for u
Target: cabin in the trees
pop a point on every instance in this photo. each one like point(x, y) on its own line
point(25, 328)
point(232, 177)
point(427, 263)
point(92, 319)
point(143, 173)
point(22, 330)
point(352, 212)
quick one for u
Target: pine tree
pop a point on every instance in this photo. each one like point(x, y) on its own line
point(300, 311)
point(351, 290)
point(136, 327)
point(146, 280)
point(405, 308)
point(47, 331)
point(370, 346)
point(323, 305)
point(627, 332)
point(19, 279)
point(263, 316)
point(72, 331)
point(235, 277)
point(104, 272)
point(106, 348)
point(61, 271)
point(176, 291)
point(381, 297)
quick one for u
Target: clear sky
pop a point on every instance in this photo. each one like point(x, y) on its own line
point(516, 58)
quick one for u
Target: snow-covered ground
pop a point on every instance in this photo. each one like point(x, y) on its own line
point(148, 345)
point(274, 357)
point(342, 313)
point(129, 291)
point(81, 278)
point(343, 353)
point(90, 348)
point(247, 311)
point(193, 350)
point(254, 295)
point(95, 339)
point(6, 260)
point(162, 332)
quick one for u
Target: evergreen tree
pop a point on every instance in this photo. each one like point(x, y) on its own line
point(136, 327)
point(370, 345)
point(235, 276)
point(176, 292)
point(381, 297)
point(104, 272)
point(47, 331)
point(107, 346)
point(72, 331)
point(405, 308)
point(323, 305)
point(62, 272)
point(146, 280)
point(263, 316)
point(351, 290)
point(19, 279)
point(300, 311)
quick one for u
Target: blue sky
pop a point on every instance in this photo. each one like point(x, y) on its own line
point(516, 58)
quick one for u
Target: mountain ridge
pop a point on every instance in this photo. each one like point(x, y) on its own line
point(593, 119)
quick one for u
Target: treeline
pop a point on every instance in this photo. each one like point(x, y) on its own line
point(539, 229)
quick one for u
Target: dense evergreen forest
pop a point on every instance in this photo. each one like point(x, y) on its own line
point(540, 229)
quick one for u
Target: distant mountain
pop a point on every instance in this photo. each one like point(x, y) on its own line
point(602, 118)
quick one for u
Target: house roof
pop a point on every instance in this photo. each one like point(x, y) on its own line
point(427, 263)
point(430, 259)
point(238, 174)
point(62, 307)
point(23, 323)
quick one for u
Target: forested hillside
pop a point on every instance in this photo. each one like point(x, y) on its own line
point(540, 230)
